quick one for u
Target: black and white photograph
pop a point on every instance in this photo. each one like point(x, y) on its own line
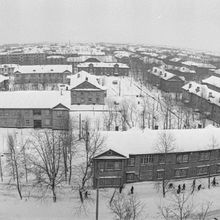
point(109, 109)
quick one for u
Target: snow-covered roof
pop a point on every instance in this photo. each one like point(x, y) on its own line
point(43, 69)
point(33, 99)
point(175, 59)
point(101, 58)
point(203, 91)
point(212, 80)
point(3, 78)
point(136, 141)
point(55, 57)
point(163, 73)
point(102, 64)
point(201, 65)
point(83, 76)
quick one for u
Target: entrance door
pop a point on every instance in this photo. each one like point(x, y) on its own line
point(37, 124)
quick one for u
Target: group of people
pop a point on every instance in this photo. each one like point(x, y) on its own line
point(131, 190)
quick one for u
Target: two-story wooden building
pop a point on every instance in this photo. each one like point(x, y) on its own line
point(101, 68)
point(165, 80)
point(42, 74)
point(86, 89)
point(34, 109)
point(193, 157)
point(203, 100)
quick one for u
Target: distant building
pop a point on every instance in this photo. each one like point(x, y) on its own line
point(165, 80)
point(42, 74)
point(7, 69)
point(203, 100)
point(33, 109)
point(21, 58)
point(56, 60)
point(213, 83)
point(86, 90)
point(4, 83)
point(74, 61)
point(109, 69)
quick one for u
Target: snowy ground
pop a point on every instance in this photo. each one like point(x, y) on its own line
point(67, 206)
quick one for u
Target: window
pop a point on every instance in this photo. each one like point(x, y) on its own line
point(146, 159)
point(101, 166)
point(37, 124)
point(89, 99)
point(161, 158)
point(182, 158)
point(97, 99)
point(218, 168)
point(182, 172)
point(160, 174)
point(118, 165)
point(59, 113)
point(37, 112)
point(131, 162)
point(27, 122)
point(202, 170)
point(47, 112)
point(204, 156)
point(109, 165)
point(130, 176)
point(113, 165)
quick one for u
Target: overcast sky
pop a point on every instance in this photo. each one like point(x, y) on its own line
point(185, 23)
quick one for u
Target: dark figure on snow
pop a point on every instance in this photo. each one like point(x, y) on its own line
point(170, 186)
point(132, 190)
point(184, 186)
point(178, 191)
point(199, 186)
point(120, 189)
point(193, 185)
point(214, 182)
point(179, 187)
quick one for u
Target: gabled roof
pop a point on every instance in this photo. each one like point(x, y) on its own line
point(34, 99)
point(111, 155)
point(103, 64)
point(83, 77)
point(212, 80)
point(34, 69)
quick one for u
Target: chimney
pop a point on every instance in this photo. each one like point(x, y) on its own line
point(190, 85)
point(86, 78)
point(78, 75)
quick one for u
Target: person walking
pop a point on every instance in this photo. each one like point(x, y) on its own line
point(132, 190)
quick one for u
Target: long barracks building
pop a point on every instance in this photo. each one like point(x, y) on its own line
point(195, 156)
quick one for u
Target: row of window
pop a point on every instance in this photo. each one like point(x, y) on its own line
point(180, 158)
point(181, 172)
point(109, 165)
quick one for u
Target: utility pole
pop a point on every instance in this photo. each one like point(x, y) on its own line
point(1, 172)
point(97, 199)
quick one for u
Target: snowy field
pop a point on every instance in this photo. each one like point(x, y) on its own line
point(68, 206)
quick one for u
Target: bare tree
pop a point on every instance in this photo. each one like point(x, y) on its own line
point(212, 145)
point(178, 206)
point(164, 145)
point(46, 158)
point(91, 144)
point(181, 207)
point(14, 163)
point(126, 207)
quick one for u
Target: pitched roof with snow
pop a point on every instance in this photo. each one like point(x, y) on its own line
point(34, 69)
point(212, 80)
point(201, 65)
point(81, 77)
point(100, 58)
point(3, 78)
point(102, 64)
point(33, 99)
point(136, 141)
point(203, 91)
point(163, 73)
